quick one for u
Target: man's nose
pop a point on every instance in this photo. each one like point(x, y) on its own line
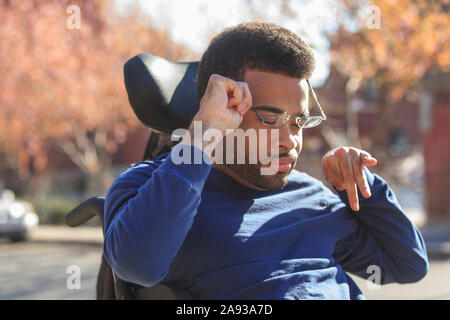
point(287, 138)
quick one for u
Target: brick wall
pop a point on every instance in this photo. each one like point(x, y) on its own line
point(436, 147)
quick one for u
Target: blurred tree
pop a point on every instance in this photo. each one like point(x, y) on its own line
point(62, 82)
point(397, 42)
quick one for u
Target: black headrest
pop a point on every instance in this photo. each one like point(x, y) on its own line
point(162, 93)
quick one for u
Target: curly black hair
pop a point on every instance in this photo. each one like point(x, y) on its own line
point(259, 46)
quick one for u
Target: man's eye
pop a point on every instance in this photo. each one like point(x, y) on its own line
point(271, 120)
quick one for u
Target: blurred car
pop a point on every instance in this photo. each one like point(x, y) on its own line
point(16, 217)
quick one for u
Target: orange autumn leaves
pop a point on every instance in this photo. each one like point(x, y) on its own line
point(413, 38)
point(61, 89)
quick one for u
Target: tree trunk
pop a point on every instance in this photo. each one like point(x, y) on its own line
point(352, 115)
point(98, 182)
point(384, 118)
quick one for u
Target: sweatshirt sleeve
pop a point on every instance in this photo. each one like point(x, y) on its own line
point(149, 211)
point(385, 239)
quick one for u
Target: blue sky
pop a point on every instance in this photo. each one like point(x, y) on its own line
point(192, 22)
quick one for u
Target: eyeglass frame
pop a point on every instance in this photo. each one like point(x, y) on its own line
point(322, 116)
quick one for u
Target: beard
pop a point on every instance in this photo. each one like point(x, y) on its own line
point(252, 174)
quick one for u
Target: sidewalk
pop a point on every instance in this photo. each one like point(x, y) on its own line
point(65, 234)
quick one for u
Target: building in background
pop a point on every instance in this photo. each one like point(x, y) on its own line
point(435, 127)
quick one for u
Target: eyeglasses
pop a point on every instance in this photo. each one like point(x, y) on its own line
point(303, 122)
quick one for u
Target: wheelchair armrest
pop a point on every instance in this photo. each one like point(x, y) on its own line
point(86, 210)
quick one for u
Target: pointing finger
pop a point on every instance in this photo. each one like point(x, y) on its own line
point(349, 180)
point(360, 177)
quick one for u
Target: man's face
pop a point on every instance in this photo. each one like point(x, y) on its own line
point(273, 94)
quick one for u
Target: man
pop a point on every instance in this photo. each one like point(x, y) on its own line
point(225, 230)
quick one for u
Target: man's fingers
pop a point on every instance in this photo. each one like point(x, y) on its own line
point(246, 100)
point(367, 160)
point(333, 173)
point(224, 103)
point(239, 96)
point(360, 177)
point(349, 181)
point(235, 92)
point(344, 168)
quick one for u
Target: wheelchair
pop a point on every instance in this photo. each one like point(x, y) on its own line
point(163, 96)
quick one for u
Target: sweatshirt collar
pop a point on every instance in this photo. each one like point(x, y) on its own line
point(221, 182)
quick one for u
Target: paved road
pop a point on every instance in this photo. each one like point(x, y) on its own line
point(37, 270)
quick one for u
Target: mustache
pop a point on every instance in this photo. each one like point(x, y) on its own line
point(291, 155)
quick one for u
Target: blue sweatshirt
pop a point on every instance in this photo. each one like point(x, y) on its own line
point(194, 227)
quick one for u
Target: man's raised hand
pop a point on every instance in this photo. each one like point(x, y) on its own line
point(224, 103)
point(343, 168)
